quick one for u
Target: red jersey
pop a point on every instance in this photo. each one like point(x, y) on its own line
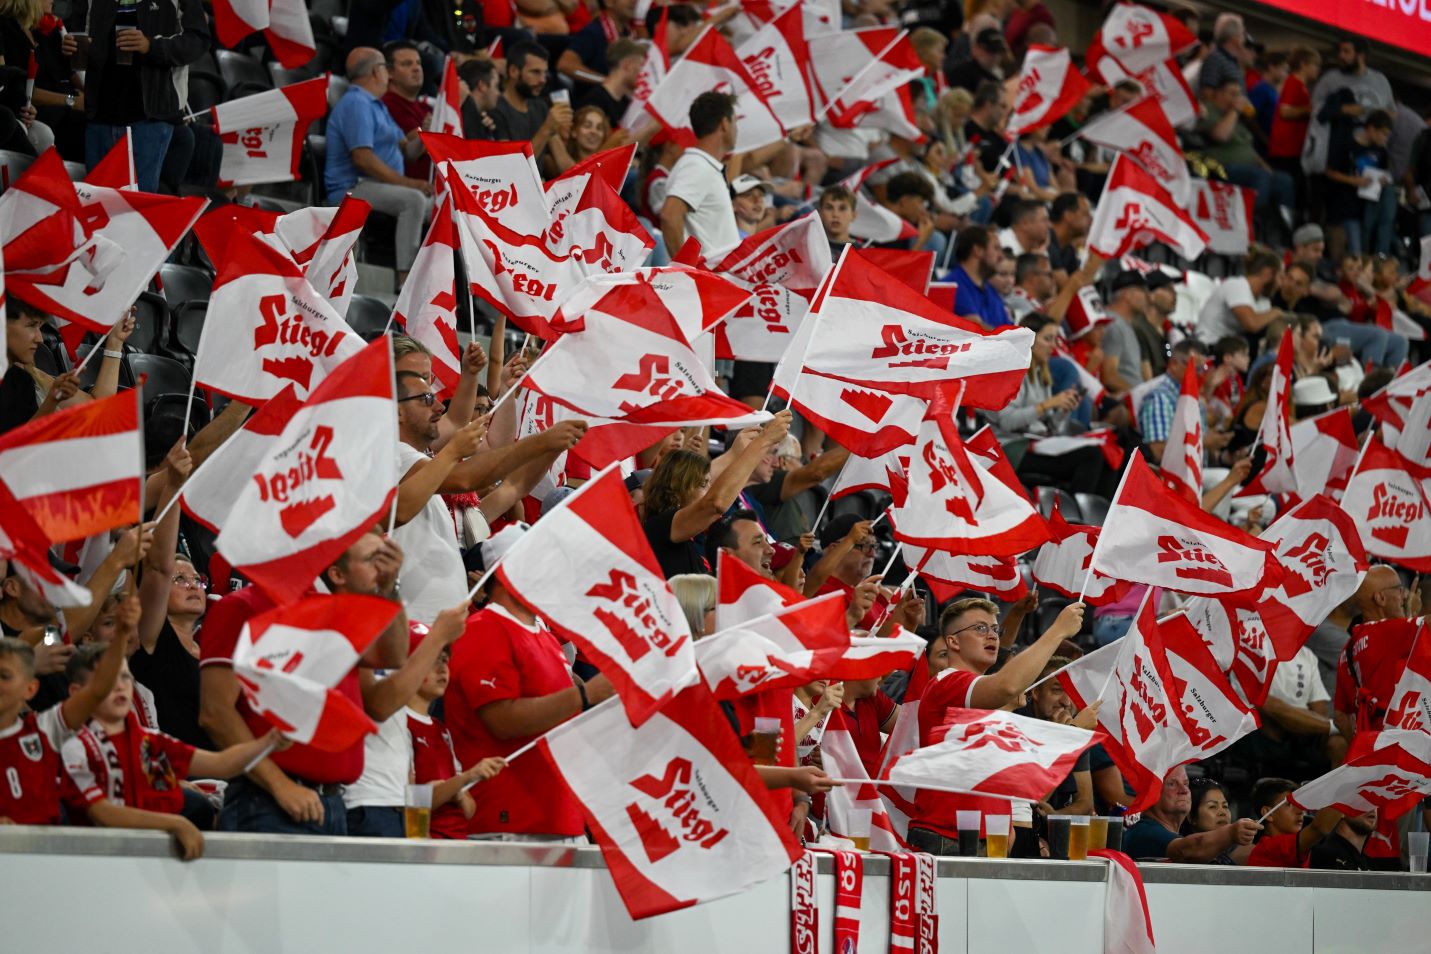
point(410, 114)
point(216, 648)
point(773, 704)
point(30, 771)
point(1370, 668)
point(935, 811)
point(864, 726)
point(502, 658)
point(139, 767)
point(1288, 135)
point(433, 760)
point(1278, 851)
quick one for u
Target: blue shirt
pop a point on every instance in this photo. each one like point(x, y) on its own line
point(981, 301)
point(1147, 839)
point(1156, 413)
point(360, 120)
point(1264, 103)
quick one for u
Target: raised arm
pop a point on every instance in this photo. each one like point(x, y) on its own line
point(696, 517)
point(998, 689)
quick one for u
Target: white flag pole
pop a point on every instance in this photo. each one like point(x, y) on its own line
point(1271, 810)
point(829, 497)
point(1093, 557)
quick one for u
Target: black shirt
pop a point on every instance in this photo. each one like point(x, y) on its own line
point(1351, 158)
point(991, 144)
point(172, 675)
point(512, 124)
point(1335, 853)
point(675, 558)
point(968, 75)
point(473, 126)
point(615, 109)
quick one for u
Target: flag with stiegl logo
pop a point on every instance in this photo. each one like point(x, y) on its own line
point(427, 304)
point(1136, 210)
point(1389, 499)
point(289, 659)
point(1181, 465)
point(1278, 474)
point(778, 59)
point(327, 479)
point(1379, 773)
point(116, 169)
point(1324, 451)
point(710, 63)
point(675, 805)
point(446, 116)
point(1143, 133)
point(262, 135)
point(1063, 562)
point(743, 594)
point(1139, 38)
point(950, 574)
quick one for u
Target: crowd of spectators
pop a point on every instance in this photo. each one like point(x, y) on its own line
point(142, 695)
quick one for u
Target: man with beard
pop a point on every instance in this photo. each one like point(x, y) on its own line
point(520, 115)
point(1345, 848)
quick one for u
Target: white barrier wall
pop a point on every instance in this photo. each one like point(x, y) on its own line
point(258, 895)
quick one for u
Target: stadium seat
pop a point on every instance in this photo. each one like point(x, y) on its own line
point(160, 375)
point(76, 171)
point(152, 325)
point(1066, 504)
point(187, 327)
point(1093, 507)
point(368, 316)
point(89, 374)
point(337, 86)
point(286, 77)
point(243, 74)
point(48, 360)
point(12, 166)
point(206, 90)
point(184, 283)
point(316, 149)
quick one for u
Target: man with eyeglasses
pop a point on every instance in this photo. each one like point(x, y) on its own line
point(971, 628)
point(849, 546)
point(1370, 666)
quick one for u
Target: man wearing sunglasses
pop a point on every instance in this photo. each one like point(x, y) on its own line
point(971, 628)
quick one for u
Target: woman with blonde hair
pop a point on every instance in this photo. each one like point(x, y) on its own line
point(697, 594)
point(29, 28)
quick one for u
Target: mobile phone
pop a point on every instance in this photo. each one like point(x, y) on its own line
point(53, 636)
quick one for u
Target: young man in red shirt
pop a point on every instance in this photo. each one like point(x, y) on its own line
point(971, 627)
point(297, 791)
point(511, 682)
point(1285, 841)
point(119, 774)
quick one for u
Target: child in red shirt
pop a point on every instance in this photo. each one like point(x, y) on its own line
point(1285, 842)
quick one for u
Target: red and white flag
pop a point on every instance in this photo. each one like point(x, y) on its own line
point(869, 329)
point(284, 24)
point(913, 268)
point(795, 255)
point(144, 228)
point(427, 304)
point(653, 73)
point(212, 489)
point(611, 165)
point(745, 595)
point(1104, 439)
point(289, 659)
point(888, 825)
point(1181, 465)
point(116, 169)
point(1237, 637)
point(322, 241)
point(873, 222)
point(1275, 433)
point(1155, 536)
point(797, 645)
point(26, 547)
point(867, 421)
point(630, 362)
point(1062, 563)
point(954, 505)
point(1142, 133)
point(1409, 710)
point(711, 64)
point(949, 574)
point(1224, 212)
point(269, 327)
point(1135, 210)
point(1414, 438)
point(1389, 499)
point(1384, 776)
point(884, 473)
point(1140, 38)
point(1127, 926)
point(326, 479)
point(79, 471)
point(600, 233)
point(862, 78)
point(587, 569)
point(263, 134)
point(675, 805)
point(1049, 86)
point(778, 59)
point(1324, 451)
point(502, 181)
point(993, 753)
point(1391, 405)
point(1320, 547)
point(447, 108)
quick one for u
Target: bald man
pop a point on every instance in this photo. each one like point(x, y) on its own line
point(366, 151)
point(1382, 639)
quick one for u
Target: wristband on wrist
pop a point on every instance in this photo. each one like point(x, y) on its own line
point(113, 354)
point(585, 702)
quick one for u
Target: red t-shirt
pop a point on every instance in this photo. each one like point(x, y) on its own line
point(216, 647)
point(501, 658)
point(434, 761)
point(864, 725)
point(774, 704)
point(139, 767)
point(409, 114)
point(876, 612)
point(1288, 135)
point(935, 811)
point(1378, 652)
point(29, 774)
point(1278, 851)
point(498, 13)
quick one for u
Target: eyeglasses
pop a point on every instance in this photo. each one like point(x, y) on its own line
point(191, 582)
point(426, 397)
point(983, 629)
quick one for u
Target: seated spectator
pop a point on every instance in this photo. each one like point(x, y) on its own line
point(1230, 143)
point(433, 760)
point(1122, 355)
point(937, 657)
point(366, 155)
point(522, 115)
point(836, 209)
point(1049, 701)
point(986, 55)
point(1359, 168)
point(1231, 357)
point(402, 99)
point(484, 90)
point(977, 251)
point(586, 57)
point(590, 130)
point(986, 118)
point(1345, 848)
point(1028, 228)
point(120, 774)
point(613, 95)
point(1239, 305)
point(1033, 285)
point(1070, 217)
point(1211, 813)
point(661, 156)
point(1156, 835)
point(682, 500)
point(748, 201)
point(1287, 839)
point(1156, 319)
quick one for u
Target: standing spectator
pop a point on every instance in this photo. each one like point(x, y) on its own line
point(1361, 197)
point(1228, 59)
point(585, 59)
point(1026, 14)
point(1297, 735)
point(366, 153)
point(613, 94)
point(483, 92)
point(296, 791)
point(977, 251)
point(402, 99)
point(1292, 117)
point(1265, 93)
point(1341, 100)
point(30, 28)
point(510, 682)
point(698, 203)
point(1156, 835)
point(137, 54)
point(983, 66)
point(1122, 357)
point(521, 115)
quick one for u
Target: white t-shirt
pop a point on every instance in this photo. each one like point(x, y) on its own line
point(1217, 320)
point(698, 179)
point(387, 762)
point(1298, 682)
point(433, 578)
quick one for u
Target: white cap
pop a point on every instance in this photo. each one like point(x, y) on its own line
point(496, 546)
point(743, 184)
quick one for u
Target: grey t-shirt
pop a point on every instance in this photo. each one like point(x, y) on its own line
point(516, 125)
point(1121, 341)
